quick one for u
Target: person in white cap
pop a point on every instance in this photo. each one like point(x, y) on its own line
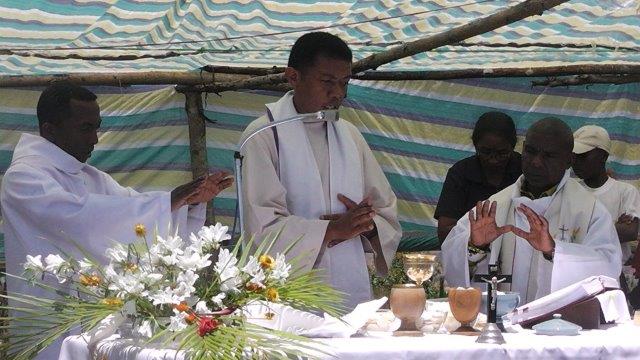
point(591, 149)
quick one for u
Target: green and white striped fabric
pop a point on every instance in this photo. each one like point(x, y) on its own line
point(417, 130)
point(34, 34)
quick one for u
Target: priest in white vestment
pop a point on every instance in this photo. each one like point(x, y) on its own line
point(51, 197)
point(545, 230)
point(319, 181)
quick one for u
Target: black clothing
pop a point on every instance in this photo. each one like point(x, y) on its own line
point(465, 185)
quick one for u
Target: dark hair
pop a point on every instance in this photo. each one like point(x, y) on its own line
point(309, 46)
point(54, 103)
point(496, 123)
point(555, 129)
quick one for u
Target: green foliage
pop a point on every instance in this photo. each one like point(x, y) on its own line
point(382, 285)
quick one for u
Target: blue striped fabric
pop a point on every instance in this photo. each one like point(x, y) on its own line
point(417, 130)
point(260, 32)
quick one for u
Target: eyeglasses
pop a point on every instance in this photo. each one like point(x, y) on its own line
point(495, 154)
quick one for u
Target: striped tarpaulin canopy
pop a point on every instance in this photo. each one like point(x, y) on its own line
point(39, 36)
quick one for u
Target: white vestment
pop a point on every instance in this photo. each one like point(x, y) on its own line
point(586, 242)
point(619, 198)
point(291, 180)
point(50, 199)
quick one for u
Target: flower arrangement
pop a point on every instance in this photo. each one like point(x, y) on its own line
point(185, 292)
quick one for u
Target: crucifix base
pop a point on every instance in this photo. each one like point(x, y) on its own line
point(490, 335)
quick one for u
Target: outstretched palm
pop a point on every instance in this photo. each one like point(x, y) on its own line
point(483, 224)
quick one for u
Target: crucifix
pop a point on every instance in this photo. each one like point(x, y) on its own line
point(563, 229)
point(491, 334)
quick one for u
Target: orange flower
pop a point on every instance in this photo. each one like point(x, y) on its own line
point(182, 307)
point(272, 294)
point(141, 231)
point(267, 262)
point(253, 287)
point(91, 280)
point(190, 319)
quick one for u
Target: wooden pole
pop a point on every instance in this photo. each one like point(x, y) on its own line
point(187, 79)
point(122, 79)
point(588, 79)
point(198, 142)
point(457, 34)
point(501, 18)
point(500, 72)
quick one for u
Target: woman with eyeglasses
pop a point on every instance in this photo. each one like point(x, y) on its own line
point(494, 167)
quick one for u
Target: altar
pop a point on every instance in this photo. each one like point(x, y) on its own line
point(613, 342)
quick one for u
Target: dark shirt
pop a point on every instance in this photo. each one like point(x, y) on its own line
point(465, 185)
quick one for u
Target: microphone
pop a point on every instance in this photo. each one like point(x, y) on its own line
point(326, 115)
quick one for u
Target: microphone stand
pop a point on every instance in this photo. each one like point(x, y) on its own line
point(323, 115)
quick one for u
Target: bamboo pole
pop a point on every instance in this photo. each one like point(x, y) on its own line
point(500, 72)
point(501, 18)
point(198, 142)
point(122, 79)
point(186, 79)
point(588, 80)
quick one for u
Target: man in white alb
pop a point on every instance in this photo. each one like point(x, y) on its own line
point(545, 230)
point(50, 195)
point(591, 149)
point(319, 180)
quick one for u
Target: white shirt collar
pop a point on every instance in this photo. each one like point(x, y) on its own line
point(35, 145)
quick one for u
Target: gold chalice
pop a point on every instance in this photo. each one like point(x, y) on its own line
point(419, 266)
point(465, 306)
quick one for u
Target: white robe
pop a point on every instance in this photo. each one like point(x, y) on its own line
point(619, 198)
point(48, 198)
point(267, 207)
point(579, 252)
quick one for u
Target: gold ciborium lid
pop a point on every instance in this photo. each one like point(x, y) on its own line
point(419, 266)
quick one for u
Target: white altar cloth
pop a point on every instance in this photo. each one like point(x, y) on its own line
point(616, 342)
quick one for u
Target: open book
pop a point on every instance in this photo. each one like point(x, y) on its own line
point(562, 299)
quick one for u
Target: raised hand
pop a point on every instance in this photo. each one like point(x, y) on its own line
point(202, 189)
point(484, 229)
point(538, 235)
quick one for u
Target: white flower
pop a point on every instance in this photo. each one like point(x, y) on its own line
point(253, 269)
point(165, 296)
point(201, 308)
point(171, 243)
point(85, 265)
point(110, 273)
point(228, 271)
point(127, 284)
point(185, 285)
point(56, 265)
point(281, 269)
point(178, 321)
point(212, 236)
point(34, 263)
point(217, 300)
point(188, 277)
point(170, 259)
point(117, 254)
point(53, 263)
point(193, 260)
point(144, 329)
